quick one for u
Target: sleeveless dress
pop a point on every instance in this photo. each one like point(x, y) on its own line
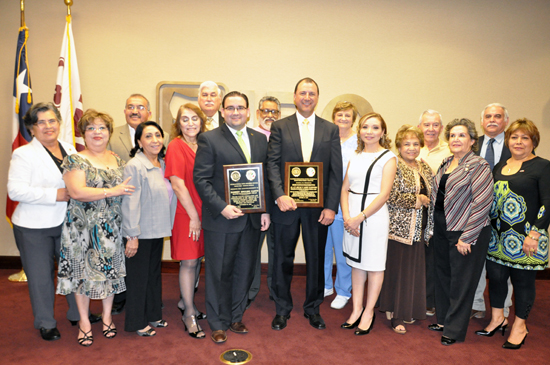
point(370, 255)
point(91, 260)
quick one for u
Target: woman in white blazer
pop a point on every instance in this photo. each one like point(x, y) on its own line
point(35, 181)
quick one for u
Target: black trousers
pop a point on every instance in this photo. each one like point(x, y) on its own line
point(314, 235)
point(430, 274)
point(144, 285)
point(230, 261)
point(270, 240)
point(523, 282)
point(456, 276)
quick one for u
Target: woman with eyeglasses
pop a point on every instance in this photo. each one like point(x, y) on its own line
point(91, 262)
point(35, 181)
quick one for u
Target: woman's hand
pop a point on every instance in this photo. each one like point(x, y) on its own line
point(463, 248)
point(351, 225)
point(131, 247)
point(63, 195)
point(194, 229)
point(122, 189)
point(422, 201)
point(530, 245)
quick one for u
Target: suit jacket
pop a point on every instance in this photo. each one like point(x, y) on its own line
point(503, 156)
point(285, 146)
point(33, 180)
point(121, 143)
point(216, 148)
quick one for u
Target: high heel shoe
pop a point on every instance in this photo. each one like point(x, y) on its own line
point(193, 328)
point(87, 338)
point(360, 332)
point(486, 333)
point(350, 326)
point(513, 346)
point(199, 316)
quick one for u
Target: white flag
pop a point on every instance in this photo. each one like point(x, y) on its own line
point(67, 97)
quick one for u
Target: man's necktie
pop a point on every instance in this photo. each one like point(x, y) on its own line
point(243, 145)
point(209, 121)
point(306, 141)
point(490, 153)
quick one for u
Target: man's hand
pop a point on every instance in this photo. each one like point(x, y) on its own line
point(327, 216)
point(286, 203)
point(232, 212)
point(266, 221)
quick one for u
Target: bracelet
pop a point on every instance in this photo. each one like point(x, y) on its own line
point(105, 192)
point(128, 238)
point(364, 216)
point(533, 238)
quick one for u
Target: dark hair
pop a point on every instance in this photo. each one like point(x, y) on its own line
point(176, 128)
point(139, 132)
point(307, 80)
point(31, 117)
point(384, 141)
point(470, 127)
point(233, 94)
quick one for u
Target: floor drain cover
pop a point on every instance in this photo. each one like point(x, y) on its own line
point(235, 357)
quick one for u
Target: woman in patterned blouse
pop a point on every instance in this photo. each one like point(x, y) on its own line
point(519, 243)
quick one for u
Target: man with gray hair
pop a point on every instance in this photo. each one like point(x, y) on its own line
point(494, 119)
point(210, 99)
point(433, 153)
point(269, 110)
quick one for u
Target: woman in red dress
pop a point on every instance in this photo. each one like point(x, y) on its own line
point(187, 244)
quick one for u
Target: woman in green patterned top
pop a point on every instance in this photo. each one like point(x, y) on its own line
point(519, 243)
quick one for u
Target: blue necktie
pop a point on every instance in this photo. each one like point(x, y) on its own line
point(490, 154)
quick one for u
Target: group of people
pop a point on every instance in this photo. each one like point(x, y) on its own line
point(417, 227)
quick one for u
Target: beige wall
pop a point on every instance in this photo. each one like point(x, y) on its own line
point(402, 56)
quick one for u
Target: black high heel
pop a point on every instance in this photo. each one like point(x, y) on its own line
point(486, 333)
point(199, 316)
point(360, 332)
point(513, 346)
point(350, 326)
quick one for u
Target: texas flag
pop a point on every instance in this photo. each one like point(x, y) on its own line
point(67, 97)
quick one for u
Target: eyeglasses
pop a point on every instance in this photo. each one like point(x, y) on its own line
point(93, 128)
point(272, 111)
point(134, 107)
point(239, 108)
point(43, 123)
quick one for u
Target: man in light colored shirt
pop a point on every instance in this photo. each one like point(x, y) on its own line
point(433, 153)
point(494, 119)
point(269, 110)
point(209, 99)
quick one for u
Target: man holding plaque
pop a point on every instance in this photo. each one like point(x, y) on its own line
point(303, 137)
point(231, 233)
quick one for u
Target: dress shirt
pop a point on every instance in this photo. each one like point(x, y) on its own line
point(498, 145)
point(244, 136)
point(311, 126)
point(132, 135)
point(263, 131)
point(436, 155)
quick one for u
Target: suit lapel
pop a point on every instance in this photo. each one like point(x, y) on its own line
point(317, 138)
point(126, 139)
point(232, 141)
point(253, 144)
point(294, 133)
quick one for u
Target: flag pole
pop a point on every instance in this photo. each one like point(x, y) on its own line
point(69, 3)
point(22, 13)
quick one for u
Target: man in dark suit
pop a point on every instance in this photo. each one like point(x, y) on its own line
point(494, 119)
point(231, 237)
point(302, 137)
point(209, 99)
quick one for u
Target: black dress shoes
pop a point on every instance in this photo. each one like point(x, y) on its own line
point(50, 334)
point(316, 321)
point(435, 327)
point(447, 341)
point(118, 307)
point(279, 322)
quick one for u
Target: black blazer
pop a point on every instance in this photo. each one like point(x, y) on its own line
point(216, 148)
point(503, 156)
point(285, 146)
